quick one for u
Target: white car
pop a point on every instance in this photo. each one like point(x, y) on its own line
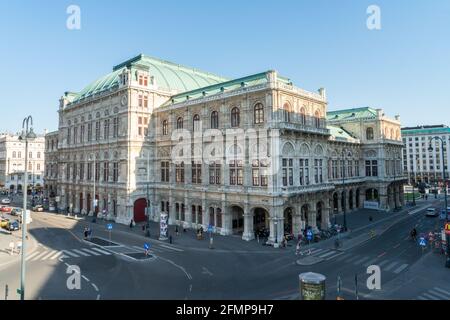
point(432, 212)
point(6, 201)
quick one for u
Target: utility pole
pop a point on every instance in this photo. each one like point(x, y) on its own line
point(27, 135)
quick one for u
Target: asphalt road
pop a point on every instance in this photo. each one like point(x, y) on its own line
point(177, 272)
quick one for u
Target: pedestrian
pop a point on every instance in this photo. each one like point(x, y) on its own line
point(370, 218)
point(170, 239)
point(176, 230)
point(131, 223)
point(86, 233)
point(297, 248)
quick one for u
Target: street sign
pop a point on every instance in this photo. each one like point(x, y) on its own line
point(422, 242)
point(109, 226)
point(146, 246)
point(309, 235)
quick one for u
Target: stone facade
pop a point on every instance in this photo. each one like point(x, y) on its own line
point(12, 163)
point(237, 155)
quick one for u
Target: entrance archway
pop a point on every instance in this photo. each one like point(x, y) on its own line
point(335, 203)
point(19, 187)
point(81, 201)
point(288, 220)
point(319, 209)
point(304, 214)
point(372, 194)
point(89, 203)
point(139, 210)
point(343, 204)
point(11, 188)
point(260, 219)
point(238, 219)
point(358, 201)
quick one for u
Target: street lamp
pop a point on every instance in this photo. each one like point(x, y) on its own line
point(430, 148)
point(26, 135)
point(343, 187)
point(94, 202)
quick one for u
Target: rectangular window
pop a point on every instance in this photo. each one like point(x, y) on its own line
point(106, 171)
point(97, 131)
point(196, 173)
point(116, 172)
point(74, 172)
point(357, 168)
point(75, 135)
point(179, 173)
point(145, 101)
point(140, 100)
point(214, 173)
point(69, 135)
point(106, 129)
point(350, 168)
point(236, 172)
point(115, 127)
point(89, 171)
point(82, 133)
point(97, 171)
point(318, 171)
point(89, 132)
point(81, 171)
point(164, 171)
point(288, 173)
point(304, 172)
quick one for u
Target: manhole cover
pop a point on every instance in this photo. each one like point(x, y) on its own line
point(103, 242)
point(139, 256)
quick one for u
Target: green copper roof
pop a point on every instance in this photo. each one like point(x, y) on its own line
point(408, 132)
point(253, 80)
point(168, 76)
point(339, 133)
point(350, 114)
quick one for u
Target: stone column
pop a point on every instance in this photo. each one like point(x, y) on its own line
point(297, 223)
point(325, 223)
point(339, 204)
point(205, 213)
point(248, 225)
point(354, 201)
point(172, 208)
point(227, 220)
point(402, 196)
point(382, 193)
point(187, 211)
point(77, 203)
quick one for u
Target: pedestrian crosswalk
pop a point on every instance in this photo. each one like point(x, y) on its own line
point(435, 294)
point(395, 266)
point(46, 254)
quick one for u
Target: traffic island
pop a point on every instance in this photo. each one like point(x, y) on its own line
point(139, 256)
point(102, 242)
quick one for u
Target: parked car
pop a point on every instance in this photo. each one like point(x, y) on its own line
point(4, 223)
point(38, 208)
point(6, 201)
point(6, 209)
point(432, 212)
point(16, 212)
point(13, 226)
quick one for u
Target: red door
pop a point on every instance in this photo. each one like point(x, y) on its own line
point(139, 210)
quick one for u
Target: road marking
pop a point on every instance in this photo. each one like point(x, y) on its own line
point(429, 296)
point(31, 255)
point(421, 298)
point(370, 262)
point(91, 252)
point(401, 268)
point(95, 287)
point(361, 260)
point(381, 254)
point(172, 248)
point(396, 246)
point(85, 278)
point(334, 256)
point(389, 267)
point(443, 296)
point(316, 250)
point(382, 263)
point(81, 252)
point(71, 253)
point(102, 251)
point(345, 256)
point(353, 259)
point(327, 254)
point(442, 290)
point(56, 255)
point(48, 256)
point(39, 256)
point(206, 271)
point(98, 297)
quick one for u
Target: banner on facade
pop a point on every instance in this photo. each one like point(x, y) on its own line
point(371, 205)
point(163, 226)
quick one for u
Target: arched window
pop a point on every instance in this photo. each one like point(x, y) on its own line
point(214, 120)
point(14, 154)
point(196, 123)
point(303, 116)
point(317, 119)
point(180, 123)
point(258, 113)
point(286, 113)
point(369, 133)
point(165, 127)
point(235, 117)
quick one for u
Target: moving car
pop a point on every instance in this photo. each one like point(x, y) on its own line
point(38, 208)
point(5, 209)
point(432, 212)
point(4, 223)
point(13, 226)
point(16, 212)
point(6, 201)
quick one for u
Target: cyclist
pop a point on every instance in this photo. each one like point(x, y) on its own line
point(413, 233)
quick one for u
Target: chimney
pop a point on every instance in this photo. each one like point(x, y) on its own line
point(380, 113)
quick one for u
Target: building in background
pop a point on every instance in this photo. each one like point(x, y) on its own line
point(421, 164)
point(51, 167)
point(12, 163)
point(239, 155)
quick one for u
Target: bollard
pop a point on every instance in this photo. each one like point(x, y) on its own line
point(211, 241)
point(6, 292)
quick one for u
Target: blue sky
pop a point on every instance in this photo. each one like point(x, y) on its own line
point(403, 68)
